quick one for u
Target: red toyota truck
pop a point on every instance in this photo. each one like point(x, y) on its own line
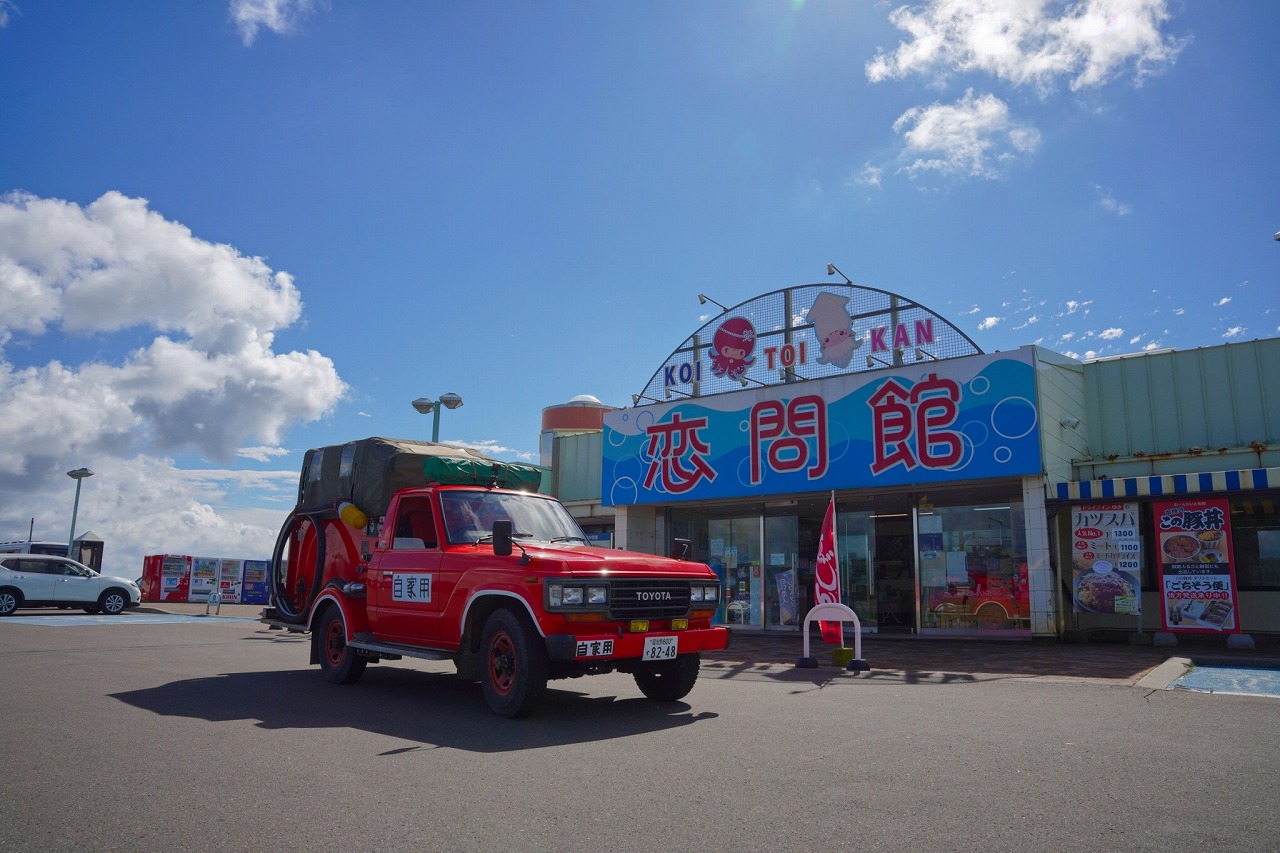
point(410, 549)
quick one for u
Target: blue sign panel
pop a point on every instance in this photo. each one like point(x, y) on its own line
point(959, 419)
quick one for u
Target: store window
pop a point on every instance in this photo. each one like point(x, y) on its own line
point(1255, 534)
point(973, 569)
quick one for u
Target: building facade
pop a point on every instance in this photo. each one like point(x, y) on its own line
point(1012, 494)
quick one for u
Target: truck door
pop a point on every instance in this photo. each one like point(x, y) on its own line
point(404, 598)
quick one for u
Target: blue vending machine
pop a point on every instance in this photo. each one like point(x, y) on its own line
point(256, 589)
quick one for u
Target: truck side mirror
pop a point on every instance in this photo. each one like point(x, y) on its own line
point(502, 538)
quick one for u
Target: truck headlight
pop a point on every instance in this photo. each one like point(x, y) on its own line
point(699, 593)
point(562, 595)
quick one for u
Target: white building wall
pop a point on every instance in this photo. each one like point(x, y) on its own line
point(636, 529)
point(1064, 426)
point(1040, 576)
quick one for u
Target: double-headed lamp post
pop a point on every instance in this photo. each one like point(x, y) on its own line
point(427, 406)
point(77, 475)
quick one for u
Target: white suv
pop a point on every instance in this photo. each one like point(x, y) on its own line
point(39, 580)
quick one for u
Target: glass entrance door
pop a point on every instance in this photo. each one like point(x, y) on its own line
point(734, 546)
point(782, 585)
point(894, 585)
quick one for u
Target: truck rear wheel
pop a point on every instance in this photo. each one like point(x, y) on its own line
point(338, 661)
point(669, 680)
point(515, 664)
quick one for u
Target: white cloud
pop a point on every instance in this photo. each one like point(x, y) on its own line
point(1111, 334)
point(493, 449)
point(1108, 202)
point(261, 454)
point(1030, 42)
point(989, 323)
point(868, 177)
point(204, 379)
point(279, 16)
point(1234, 332)
point(7, 9)
point(968, 138)
point(1223, 301)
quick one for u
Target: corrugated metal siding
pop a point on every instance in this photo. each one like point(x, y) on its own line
point(1060, 394)
point(577, 466)
point(1215, 397)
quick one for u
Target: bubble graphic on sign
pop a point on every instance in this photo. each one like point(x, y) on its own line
point(1013, 417)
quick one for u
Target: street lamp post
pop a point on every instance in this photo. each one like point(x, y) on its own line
point(77, 475)
point(427, 406)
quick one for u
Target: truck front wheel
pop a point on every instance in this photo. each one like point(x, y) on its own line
point(670, 680)
point(515, 665)
point(338, 661)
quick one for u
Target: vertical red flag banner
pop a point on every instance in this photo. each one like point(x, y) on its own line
point(826, 576)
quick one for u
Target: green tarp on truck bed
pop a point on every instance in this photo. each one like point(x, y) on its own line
point(368, 471)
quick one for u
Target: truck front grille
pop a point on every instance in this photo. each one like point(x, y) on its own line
point(648, 599)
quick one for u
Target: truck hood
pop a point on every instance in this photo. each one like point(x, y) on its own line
point(588, 561)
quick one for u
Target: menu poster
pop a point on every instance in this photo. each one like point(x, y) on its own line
point(1197, 573)
point(1106, 562)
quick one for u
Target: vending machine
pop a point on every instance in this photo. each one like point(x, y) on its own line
point(166, 577)
point(230, 579)
point(204, 577)
point(255, 589)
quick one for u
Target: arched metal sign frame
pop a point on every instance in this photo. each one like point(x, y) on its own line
point(809, 331)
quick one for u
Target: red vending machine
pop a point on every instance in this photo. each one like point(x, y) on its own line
point(166, 577)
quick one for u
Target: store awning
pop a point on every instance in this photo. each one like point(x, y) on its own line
point(1165, 484)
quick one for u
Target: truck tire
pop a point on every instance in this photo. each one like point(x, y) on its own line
point(338, 661)
point(670, 680)
point(514, 664)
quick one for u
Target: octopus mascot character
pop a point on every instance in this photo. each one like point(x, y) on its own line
point(732, 347)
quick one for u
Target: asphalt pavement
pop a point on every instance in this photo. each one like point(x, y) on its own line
point(214, 733)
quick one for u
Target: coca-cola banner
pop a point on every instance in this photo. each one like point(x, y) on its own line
point(1197, 572)
point(826, 576)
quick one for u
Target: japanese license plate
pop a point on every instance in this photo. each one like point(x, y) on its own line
point(660, 648)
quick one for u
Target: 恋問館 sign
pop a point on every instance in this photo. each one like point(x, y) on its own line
point(958, 419)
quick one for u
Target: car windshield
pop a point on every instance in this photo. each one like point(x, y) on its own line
point(469, 516)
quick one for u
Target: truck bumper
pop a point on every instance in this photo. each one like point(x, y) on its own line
point(589, 648)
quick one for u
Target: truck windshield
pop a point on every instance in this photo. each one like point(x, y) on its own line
point(469, 516)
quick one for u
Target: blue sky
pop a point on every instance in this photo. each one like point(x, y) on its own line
point(230, 231)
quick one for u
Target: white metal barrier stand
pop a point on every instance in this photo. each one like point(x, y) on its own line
point(833, 612)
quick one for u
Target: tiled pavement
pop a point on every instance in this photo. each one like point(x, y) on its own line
point(916, 659)
point(924, 659)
